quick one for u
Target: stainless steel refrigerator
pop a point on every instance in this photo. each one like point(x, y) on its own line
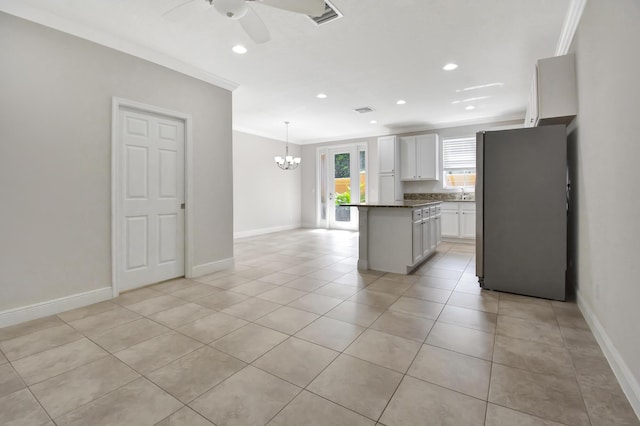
point(521, 199)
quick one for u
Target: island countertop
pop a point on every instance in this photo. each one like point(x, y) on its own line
point(407, 204)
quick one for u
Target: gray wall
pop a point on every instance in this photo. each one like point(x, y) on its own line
point(604, 154)
point(55, 159)
point(265, 198)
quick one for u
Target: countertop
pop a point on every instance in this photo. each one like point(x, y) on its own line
point(407, 204)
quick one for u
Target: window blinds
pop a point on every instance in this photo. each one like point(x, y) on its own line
point(459, 153)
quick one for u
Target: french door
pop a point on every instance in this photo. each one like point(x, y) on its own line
point(346, 184)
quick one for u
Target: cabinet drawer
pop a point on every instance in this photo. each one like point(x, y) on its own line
point(425, 212)
point(450, 206)
point(417, 214)
point(468, 206)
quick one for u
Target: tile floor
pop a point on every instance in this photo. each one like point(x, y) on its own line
point(295, 335)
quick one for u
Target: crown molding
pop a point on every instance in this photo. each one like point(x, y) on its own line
point(570, 26)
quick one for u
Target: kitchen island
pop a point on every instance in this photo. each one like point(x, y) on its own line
point(398, 236)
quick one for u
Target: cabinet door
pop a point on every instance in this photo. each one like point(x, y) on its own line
point(433, 238)
point(426, 237)
point(417, 240)
point(427, 157)
point(408, 158)
point(438, 229)
point(468, 224)
point(450, 223)
point(387, 154)
point(387, 188)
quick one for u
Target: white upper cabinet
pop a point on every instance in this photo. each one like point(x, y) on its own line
point(387, 154)
point(554, 98)
point(419, 157)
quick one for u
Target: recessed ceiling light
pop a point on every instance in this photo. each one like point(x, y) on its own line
point(321, 96)
point(450, 67)
point(239, 49)
point(401, 102)
point(373, 122)
point(469, 107)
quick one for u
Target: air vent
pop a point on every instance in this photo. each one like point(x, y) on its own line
point(330, 14)
point(363, 110)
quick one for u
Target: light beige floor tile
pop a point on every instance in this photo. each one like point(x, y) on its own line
point(358, 385)
point(41, 366)
point(501, 416)
point(331, 333)
point(401, 278)
point(571, 318)
point(415, 401)
point(524, 299)
point(461, 339)
point(441, 283)
point(594, 371)
point(355, 313)
point(315, 303)
point(129, 334)
point(336, 290)
point(173, 285)
point(230, 281)
point(103, 321)
point(139, 403)
point(385, 350)
point(296, 361)
point(9, 380)
point(374, 298)
point(135, 296)
point(249, 397)
point(157, 352)
point(418, 307)
point(325, 274)
point(356, 279)
point(583, 341)
point(253, 288)
point(608, 408)
point(391, 286)
point(424, 292)
point(21, 409)
point(38, 341)
point(287, 320)
point(528, 311)
point(194, 374)
point(282, 295)
point(29, 327)
point(181, 315)
point(155, 304)
point(81, 385)
point(251, 309)
point(195, 291)
point(529, 330)
point(185, 417)
point(452, 370)
point(308, 409)
point(442, 273)
point(306, 283)
point(342, 267)
point(278, 278)
point(482, 302)
point(403, 325)
point(533, 356)
point(212, 327)
point(300, 270)
point(478, 320)
point(87, 311)
point(3, 359)
point(470, 287)
point(221, 300)
point(550, 397)
point(249, 342)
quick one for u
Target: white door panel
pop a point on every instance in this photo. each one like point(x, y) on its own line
point(152, 219)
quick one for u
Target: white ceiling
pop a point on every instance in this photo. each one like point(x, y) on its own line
point(379, 52)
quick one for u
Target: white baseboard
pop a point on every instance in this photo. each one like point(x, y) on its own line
point(211, 267)
point(262, 231)
point(52, 307)
point(627, 380)
point(459, 240)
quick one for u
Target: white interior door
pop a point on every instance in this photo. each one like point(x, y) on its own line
point(151, 198)
point(343, 186)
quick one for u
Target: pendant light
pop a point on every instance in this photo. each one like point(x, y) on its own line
point(288, 162)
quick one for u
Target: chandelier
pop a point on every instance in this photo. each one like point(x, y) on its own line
point(288, 162)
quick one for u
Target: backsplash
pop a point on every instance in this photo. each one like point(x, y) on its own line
point(440, 196)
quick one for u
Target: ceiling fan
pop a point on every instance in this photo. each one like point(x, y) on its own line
point(249, 20)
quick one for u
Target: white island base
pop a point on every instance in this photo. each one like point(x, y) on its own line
point(398, 237)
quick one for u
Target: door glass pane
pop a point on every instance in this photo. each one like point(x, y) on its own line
point(323, 187)
point(342, 186)
point(363, 176)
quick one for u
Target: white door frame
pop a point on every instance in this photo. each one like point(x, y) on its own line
point(116, 180)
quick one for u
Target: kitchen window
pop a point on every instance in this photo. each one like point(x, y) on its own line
point(459, 163)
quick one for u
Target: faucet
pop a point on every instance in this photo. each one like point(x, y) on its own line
point(463, 196)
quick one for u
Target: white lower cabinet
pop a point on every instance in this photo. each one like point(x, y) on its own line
point(458, 220)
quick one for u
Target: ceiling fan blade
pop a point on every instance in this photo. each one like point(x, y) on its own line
point(254, 27)
point(307, 7)
point(185, 9)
